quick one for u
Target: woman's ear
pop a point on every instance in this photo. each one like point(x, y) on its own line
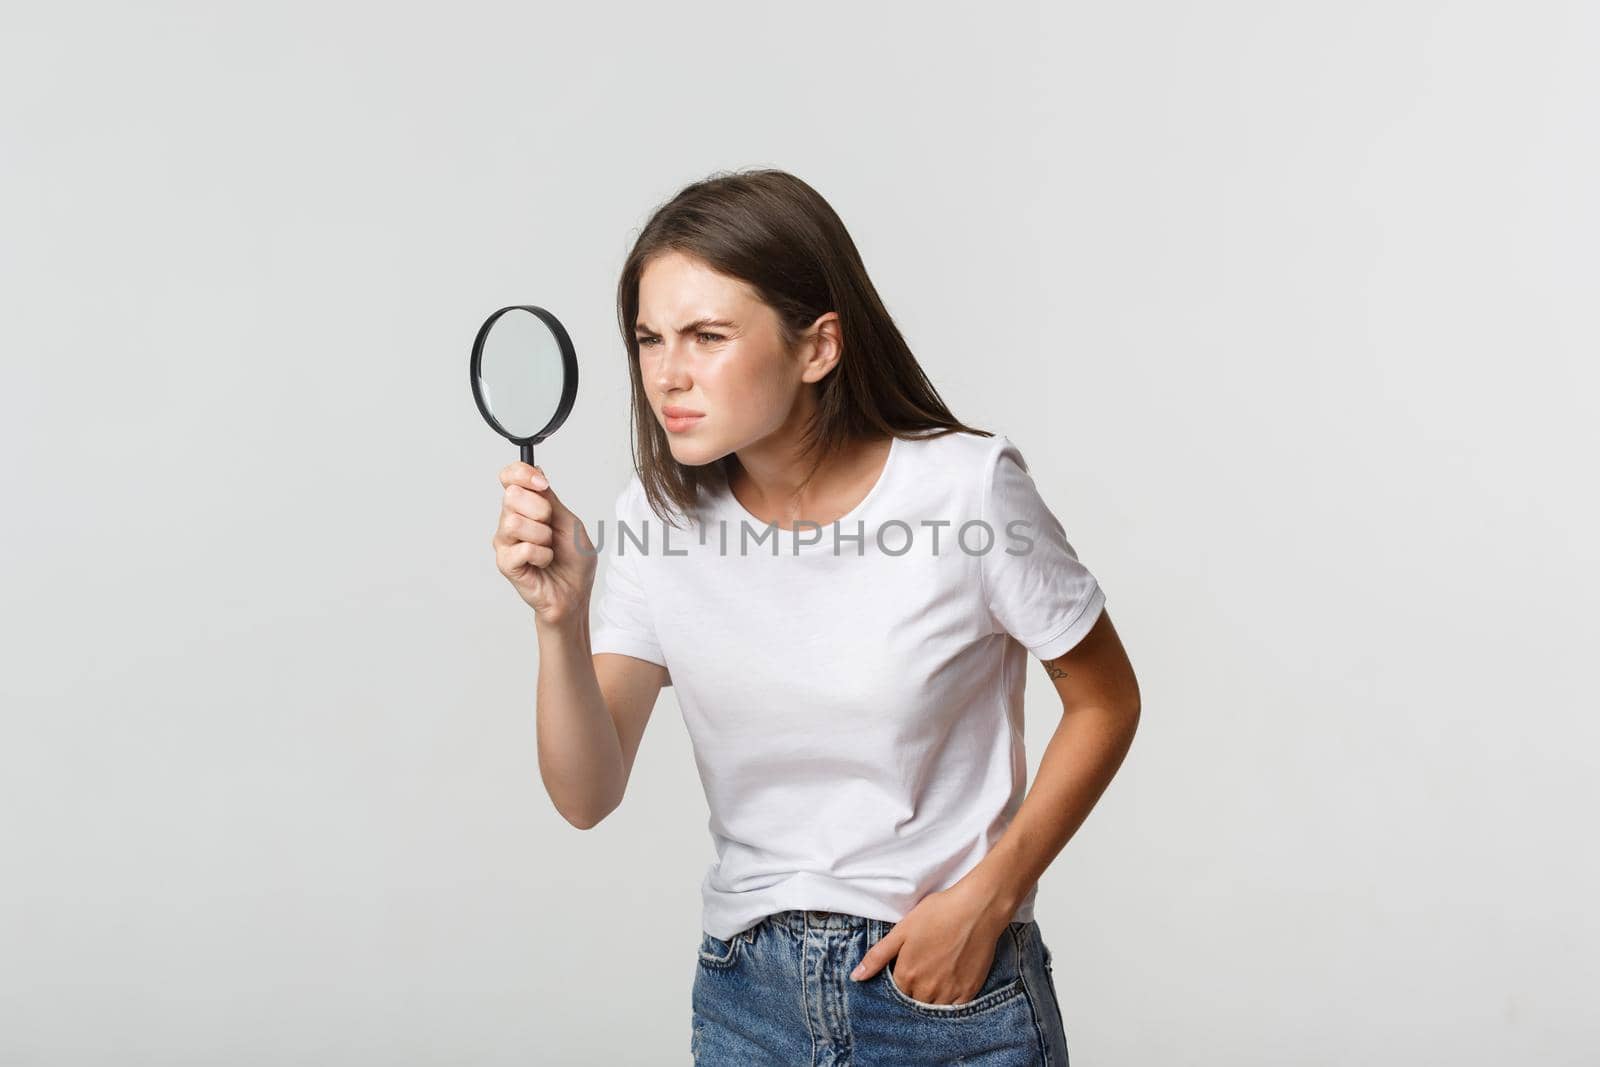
point(822, 346)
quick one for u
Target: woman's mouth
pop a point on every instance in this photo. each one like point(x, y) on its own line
point(681, 419)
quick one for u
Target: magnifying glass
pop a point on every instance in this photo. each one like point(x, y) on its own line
point(524, 374)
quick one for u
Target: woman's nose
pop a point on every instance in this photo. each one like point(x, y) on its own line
point(671, 370)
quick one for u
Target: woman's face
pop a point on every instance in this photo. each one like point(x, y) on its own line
point(708, 344)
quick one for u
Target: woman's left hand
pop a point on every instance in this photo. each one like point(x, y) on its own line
point(943, 948)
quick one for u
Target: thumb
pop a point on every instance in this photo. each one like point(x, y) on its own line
point(878, 955)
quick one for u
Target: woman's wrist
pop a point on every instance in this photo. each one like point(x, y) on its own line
point(996, 881)
point(574, 626)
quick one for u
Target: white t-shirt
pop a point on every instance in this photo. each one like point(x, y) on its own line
point(853, 691)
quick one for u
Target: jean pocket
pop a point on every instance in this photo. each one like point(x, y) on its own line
point(1001, 985)
point(717, 952)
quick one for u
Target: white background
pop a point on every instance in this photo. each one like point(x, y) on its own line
point(1290, 307)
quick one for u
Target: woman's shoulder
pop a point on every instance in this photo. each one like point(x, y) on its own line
point(632, 503)
point(628, 496)
point(953, 452)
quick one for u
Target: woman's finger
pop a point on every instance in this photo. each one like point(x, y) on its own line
point(516, 527)
point(526, 502)
point(887, 947)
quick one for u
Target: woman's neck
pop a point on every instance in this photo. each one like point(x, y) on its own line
point(775, 487)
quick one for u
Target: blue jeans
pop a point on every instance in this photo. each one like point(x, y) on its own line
point(779, 994)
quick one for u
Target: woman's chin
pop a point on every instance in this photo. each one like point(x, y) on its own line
point(694, 453)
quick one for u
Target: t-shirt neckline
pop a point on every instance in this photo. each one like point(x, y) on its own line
point(739, 511)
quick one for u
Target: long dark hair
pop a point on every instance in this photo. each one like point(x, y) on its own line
point(777, 234)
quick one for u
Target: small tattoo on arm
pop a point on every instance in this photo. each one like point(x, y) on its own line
point(1053, 668)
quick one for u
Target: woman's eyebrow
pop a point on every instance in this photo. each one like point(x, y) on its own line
point(640, 327)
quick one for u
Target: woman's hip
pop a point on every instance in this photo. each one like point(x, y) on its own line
point(780, 993)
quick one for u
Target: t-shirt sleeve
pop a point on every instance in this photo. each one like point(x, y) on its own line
point(1038, 592)
point(622, 621)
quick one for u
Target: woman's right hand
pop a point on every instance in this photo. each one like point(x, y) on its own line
point(536, 546)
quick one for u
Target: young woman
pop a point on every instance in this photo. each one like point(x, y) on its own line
point(844, 584)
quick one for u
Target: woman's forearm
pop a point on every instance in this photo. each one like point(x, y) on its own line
point(580, 756)
point(1078, 764)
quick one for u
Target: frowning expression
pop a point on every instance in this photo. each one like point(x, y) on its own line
point(711, 359)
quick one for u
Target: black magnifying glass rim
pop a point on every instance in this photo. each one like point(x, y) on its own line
point(569, 385)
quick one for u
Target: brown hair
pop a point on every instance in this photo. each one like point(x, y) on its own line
point(778, 235)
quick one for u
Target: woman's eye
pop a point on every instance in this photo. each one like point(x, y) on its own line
point(643, 341)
